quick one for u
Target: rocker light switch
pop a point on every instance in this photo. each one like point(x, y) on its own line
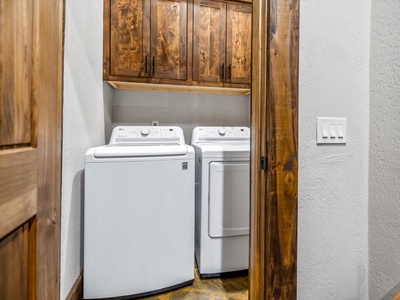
point(331, 130)
point(325, 131)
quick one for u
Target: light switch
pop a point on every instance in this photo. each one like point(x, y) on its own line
point(331, 130)
point(340, 131)
point(325, 131)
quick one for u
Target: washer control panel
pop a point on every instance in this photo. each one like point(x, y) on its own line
point(147, 134)
point(211, 133)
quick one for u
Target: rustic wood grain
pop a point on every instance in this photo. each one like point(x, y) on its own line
point(257, 251)
point(282, 133)
point(209, 40)
point(31, 56)
point(15, 72)
point(48, 89)
point(278, 20)
point(130, 37)
point(169, 38)
point(238, 45)
point(32, 258)
point(134, 86)
point(14, 264)
point(106, 39)
point(18, 190)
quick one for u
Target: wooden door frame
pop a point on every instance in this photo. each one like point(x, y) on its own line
point(274, 123)
point(47, 93)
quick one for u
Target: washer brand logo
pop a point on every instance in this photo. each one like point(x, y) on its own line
point(185, 166)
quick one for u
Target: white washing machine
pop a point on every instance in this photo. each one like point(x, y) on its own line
point(139, 213)
point(222, 199)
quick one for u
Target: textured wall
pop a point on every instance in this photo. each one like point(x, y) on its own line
point(84, 117)
point(181, 109)
point(384, 157)
point(333, 183)
point(333, 180)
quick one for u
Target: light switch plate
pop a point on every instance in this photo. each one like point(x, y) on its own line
point(331, 130)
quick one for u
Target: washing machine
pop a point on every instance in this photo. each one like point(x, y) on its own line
point(222, 185)
point(139, 213)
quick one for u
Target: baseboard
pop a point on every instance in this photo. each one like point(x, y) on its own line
point(76, 292)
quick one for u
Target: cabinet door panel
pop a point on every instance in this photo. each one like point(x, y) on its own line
point(130, 38)
point(169, 38)
point(238, 43)
point(209, 41)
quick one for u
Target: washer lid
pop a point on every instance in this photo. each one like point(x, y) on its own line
point(140, 151)
point(147, 136)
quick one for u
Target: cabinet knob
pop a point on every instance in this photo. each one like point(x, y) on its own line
point(223, 71)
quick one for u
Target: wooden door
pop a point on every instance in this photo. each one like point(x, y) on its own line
point(209, 41)
point(130, 38)
point(18, 153)
point(30, 147)
point(169, 39)
point(274, 123)
point(238, 43)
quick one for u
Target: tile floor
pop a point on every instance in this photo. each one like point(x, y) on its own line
point(229, 288)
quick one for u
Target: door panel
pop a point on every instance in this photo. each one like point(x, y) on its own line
point(238, 54)
point(15, 71)
point(229, 199)
point(14, 264)
point(209, 41)
point(130, 38)
point(18, 192)
point(18, 160)
point(168, 38)
point(30, 147)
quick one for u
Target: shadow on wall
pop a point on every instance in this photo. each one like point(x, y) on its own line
point(76, 219)
point(186, 110)
point(108, 105)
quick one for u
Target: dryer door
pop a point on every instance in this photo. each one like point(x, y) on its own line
point(229, 199)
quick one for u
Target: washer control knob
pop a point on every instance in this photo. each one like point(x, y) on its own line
point(221, 132)
point(145, 132)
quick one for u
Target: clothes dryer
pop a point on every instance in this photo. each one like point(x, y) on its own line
point(139, 213)
point(222, 199)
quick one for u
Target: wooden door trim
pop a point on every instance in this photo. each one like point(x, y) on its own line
point(47, 90)
point(274, 122)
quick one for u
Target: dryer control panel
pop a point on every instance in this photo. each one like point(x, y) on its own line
point(135, 135)
point(220, 134)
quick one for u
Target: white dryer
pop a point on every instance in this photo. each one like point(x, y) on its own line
point(222, 199)
point(139, 213)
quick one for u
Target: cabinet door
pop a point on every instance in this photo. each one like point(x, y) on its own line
point(209, 41)
point(169, 39)
point(130, 38)
point(238, 43)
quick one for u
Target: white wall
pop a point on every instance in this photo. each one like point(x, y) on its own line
point(84, 118)
point(181, 109)
point(384, 157)
point(333, 180)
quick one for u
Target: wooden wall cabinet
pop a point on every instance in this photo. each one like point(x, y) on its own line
point(145, 39)
point(180, 42)
point(221, 42)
